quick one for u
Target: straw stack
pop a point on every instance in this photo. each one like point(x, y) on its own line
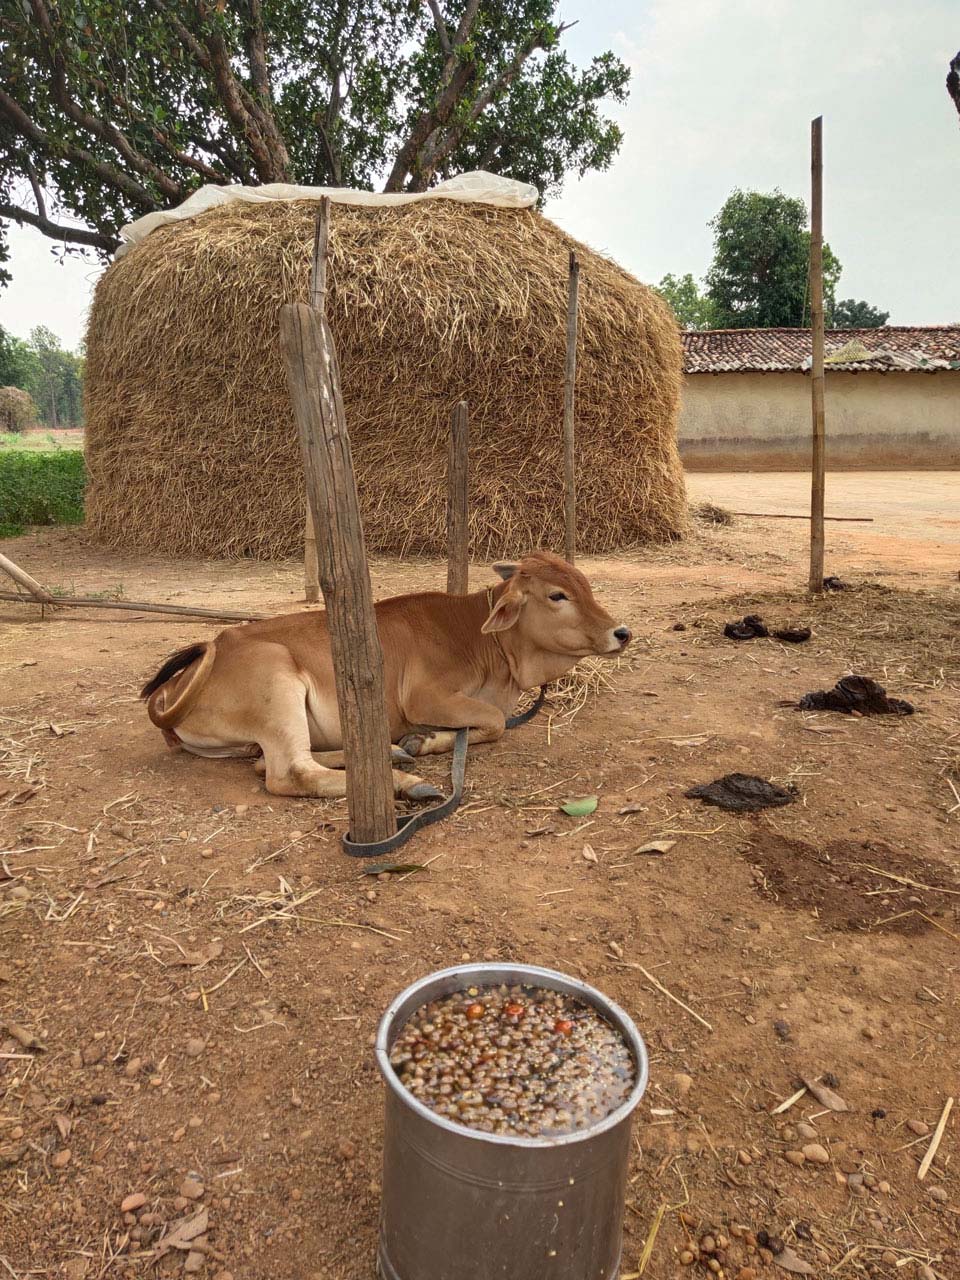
point(191, 445)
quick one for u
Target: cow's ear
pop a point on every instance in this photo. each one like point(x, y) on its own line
point(506, 569)
point(504, 613)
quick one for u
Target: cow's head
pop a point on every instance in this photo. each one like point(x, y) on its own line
point(552, 607)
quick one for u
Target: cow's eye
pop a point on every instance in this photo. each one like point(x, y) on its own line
point(557, 595)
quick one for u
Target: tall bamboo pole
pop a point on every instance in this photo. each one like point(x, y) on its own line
point(569, 381)
point(318, 298)
point(816, 368)
point(458, 476)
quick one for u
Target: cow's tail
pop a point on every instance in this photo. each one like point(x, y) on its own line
point(167, 708)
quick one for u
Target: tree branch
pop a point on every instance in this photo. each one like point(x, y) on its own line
point(105, 131)
point(443, 35)
point(56, 231)
point(54, 147)
point(257, 53)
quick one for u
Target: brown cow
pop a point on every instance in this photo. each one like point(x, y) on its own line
point(450, 662)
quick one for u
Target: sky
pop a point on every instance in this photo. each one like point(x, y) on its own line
point(722, 96)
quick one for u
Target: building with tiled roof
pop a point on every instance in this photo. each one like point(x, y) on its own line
point(747, 398)
point(890, 349)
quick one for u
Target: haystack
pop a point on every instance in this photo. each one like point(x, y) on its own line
point(17, 409)
point(191, 444)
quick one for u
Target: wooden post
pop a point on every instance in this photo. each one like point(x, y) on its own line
point(816, 367)
point(314, 379)
point(458, 476)
point(569, 380)
point(318, 297)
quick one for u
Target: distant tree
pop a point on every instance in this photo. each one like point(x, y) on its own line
point(17, 362)
point(758, 278)
point(852, 314)
point(953, 81)
point(55, 380)
point(693, 309)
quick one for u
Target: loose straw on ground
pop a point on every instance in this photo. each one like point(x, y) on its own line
point(670, 996)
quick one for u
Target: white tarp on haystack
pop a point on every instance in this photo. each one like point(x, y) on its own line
point(468, 188)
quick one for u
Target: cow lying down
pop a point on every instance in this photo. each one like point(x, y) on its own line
point(266, 689)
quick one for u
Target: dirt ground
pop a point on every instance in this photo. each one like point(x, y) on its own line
point(204, 969)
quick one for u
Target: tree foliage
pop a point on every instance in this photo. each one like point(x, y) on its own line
point(850, 313)
point(110, 109)
point(758, 278)
point(52, 376)
point(693, 309)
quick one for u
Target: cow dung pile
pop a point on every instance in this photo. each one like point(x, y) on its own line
point(191, 444)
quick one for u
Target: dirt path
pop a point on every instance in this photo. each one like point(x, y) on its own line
point(192, 1031)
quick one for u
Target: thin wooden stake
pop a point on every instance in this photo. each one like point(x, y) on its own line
point(135, 606)
point(39, 593)
point(670, 996)
point(569, 381)
point(458, 478)
point(313, 375)
point(318, 298)
point(816, 368)
point(935, 1141)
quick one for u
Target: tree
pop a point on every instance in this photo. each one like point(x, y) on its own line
point(109, 110)
point(17, 362)
point(55, 379)
point(693, 309)
point(758, 278)
point(852, 314)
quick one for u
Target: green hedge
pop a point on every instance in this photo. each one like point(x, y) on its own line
point(40, 488)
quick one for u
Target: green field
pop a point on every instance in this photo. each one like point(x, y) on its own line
point(41, 440)
point(39, 487)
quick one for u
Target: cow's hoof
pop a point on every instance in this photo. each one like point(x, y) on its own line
point(399, 756)
point(412, 744)
point(423, 791)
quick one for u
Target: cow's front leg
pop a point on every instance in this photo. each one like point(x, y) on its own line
point(455, 711)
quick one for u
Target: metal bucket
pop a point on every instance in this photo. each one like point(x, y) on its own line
point(459, 1204)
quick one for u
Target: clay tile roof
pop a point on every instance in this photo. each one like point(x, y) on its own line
point(887, 350)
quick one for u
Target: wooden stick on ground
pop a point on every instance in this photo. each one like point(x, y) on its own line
point(569, 382)
point(97, 602)
point(30, 584)
point(313, 376)
point(458, 477)
point(935, 1141)
point(776, 515)
point(670, 996)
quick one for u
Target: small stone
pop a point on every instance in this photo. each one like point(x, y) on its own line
point(179, 1134)
point(129, 1219)
point(686, 1258)
point(16, 1133)
point(788, 1134)
point(888, 1258)
point(854, 1179)
point(683, 1083)
point(194, 1262)
point(296, 1194)
point(795, 1157)
point(708, 1244)
point(918, 1127)
point(816, 1154)
point(870, 1180)
point(766, 1255)
point(883, 1187)
point(747, 1273)
point(150, 1219)
point(191, 1189)
point(346, 1150)
point(133, 1068)
point(744, 1157)
point(938, 1194)
point(722, 1242)
point(180, 1203)
point(195, 1046)
point(194, 1123)
point(92, 1054)
point(63, 1158)
point(807, 1131)
point(136, 1200)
